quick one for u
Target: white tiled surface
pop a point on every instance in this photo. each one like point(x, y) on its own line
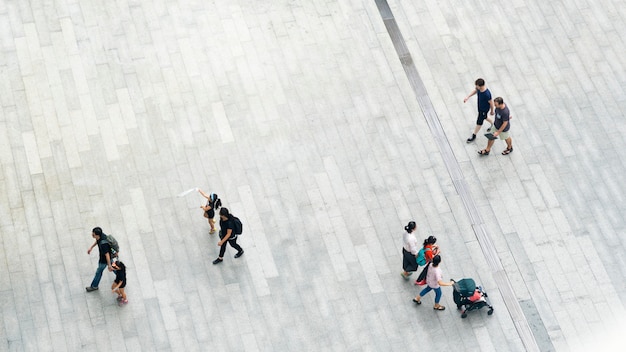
point(300, 116)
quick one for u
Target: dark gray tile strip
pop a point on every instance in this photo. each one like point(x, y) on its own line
point(486, 244)
point(541, 332)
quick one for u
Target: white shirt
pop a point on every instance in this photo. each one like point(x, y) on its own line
point(410, 243)
point(433, 276)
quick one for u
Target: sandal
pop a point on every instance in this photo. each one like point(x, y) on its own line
point(417, 302)
point(483, 152)
point(507, 151)
point(439, 308)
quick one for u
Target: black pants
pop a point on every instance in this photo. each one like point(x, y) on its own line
point(409, 263)
point(233, 243)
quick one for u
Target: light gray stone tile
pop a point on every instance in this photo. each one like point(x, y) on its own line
point(302, 87)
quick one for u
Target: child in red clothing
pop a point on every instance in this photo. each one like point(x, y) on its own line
point(430, 251)
point(430, 248)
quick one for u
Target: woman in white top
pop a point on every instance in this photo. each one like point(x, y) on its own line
point(433, 282)
point(409, 250)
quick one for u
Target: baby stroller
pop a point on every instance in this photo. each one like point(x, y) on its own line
point(468, 297)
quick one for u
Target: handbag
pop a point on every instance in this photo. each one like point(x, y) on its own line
point(421, 279)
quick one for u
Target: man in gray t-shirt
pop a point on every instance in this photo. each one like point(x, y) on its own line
point(500, 129)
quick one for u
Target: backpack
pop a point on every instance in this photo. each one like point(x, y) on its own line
point(217, 202)
point(421, 257)
point(115, 247)
point(238, 226)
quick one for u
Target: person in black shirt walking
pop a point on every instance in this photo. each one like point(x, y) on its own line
point(105, 257)
point(120, 282)
point(227, 234)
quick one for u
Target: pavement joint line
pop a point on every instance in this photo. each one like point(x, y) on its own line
point(452, 165)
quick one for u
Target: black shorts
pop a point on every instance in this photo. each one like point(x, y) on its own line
point(482, 115)
point(123, 284)
point(210, 213)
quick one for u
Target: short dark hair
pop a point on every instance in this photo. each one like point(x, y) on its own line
point(480, 82)
point(410, 226)
point(97, 231)
point(498, 100)
point(436, 260)
point(224, 212)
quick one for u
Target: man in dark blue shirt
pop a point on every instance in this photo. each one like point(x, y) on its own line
point(485, 105)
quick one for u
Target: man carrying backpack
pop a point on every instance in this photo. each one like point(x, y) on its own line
point(105, 257)
point(230, 229)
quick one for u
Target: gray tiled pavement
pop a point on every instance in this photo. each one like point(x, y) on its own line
point(300, 116)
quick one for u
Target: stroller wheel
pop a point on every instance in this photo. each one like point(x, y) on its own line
point(464, 315)
point(490, 311)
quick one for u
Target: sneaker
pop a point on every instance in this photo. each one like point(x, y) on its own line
point(405, 276)
point(124, 301)
point(90, 289)
point(217, 261)
point(212, 231)
point(239, 254)
point(119, 298)
point(471, 139)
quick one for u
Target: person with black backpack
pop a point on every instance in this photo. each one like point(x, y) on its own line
point(105, 257)
point(230, 229)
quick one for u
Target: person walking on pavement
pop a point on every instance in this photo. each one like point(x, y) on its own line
point(104, 260)
point(409, 250)
point(433, 282)
point(430, 248)
point(500, 128)
point(213, 203)
point(227, 234)
point(428, 252)
point(485, 105)
point(120, 282)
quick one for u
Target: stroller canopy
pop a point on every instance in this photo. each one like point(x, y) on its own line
point(465, 287)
